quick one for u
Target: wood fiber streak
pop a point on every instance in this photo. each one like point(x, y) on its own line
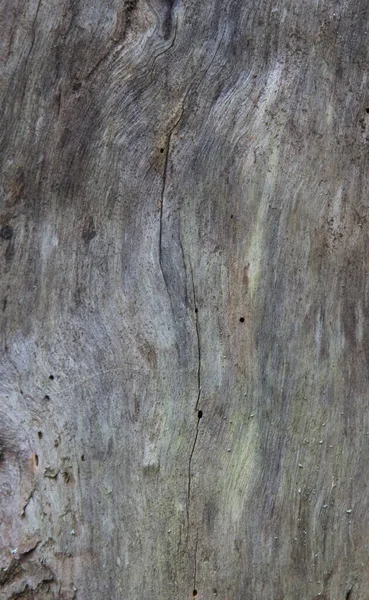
point(184, 297)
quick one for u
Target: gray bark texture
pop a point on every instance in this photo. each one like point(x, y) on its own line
point(184, 299)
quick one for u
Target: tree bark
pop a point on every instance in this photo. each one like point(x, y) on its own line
point(184, 299)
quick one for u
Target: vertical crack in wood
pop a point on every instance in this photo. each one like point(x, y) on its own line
point(183, 261)
point(195, 560)
point(198, 341)
point(179, 540)
point(167, 148)
point(197, 327)
point(162, 195)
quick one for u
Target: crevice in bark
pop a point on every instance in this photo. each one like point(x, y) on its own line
point(199, 413)
point(195, 562)
point(184, 264)
point(162, 195)
point(198, 342)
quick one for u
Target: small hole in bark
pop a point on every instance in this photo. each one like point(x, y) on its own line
point(36, 460)
point(348, 595)
point(46, 398)
point(242, 319)
point(194, 593)
point(39, 435)
point(231, 216)
point(199, 414)
point(367, 111)
point(161, 150)
point(196, 310)
point(51, 377)
point(83, 457)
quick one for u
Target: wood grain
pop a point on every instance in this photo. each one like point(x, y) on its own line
point(184, 228)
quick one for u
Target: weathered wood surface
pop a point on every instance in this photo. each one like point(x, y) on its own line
point(184, 228)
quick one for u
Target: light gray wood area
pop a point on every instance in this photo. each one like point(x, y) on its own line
point(184, 297)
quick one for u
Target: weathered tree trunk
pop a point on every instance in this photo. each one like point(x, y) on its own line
point(184, 295)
